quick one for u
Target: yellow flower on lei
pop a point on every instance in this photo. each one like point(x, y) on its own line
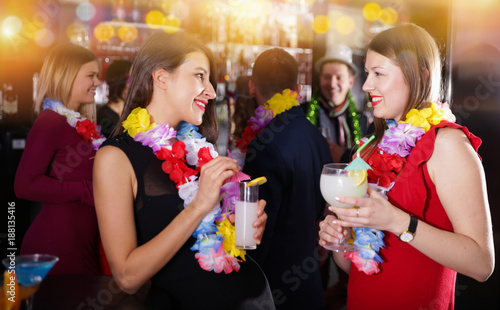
point(280, 103)
point(226, 229)
point(138, 121)
point(427, 117)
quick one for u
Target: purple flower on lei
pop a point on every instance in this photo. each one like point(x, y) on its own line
point(261, 119)
point(401, 139)
point(157, 137)
point(229, 192)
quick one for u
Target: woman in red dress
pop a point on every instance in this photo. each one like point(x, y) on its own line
point(435, 213)
point(56, 166)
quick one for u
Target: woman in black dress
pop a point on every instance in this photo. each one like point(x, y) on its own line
point(145, 226)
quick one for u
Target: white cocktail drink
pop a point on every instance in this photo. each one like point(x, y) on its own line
point(337, 181)
point(333, 185)
point(246, 214)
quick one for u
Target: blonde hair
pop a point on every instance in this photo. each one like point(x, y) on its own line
point(58, 73)
point(415, 52)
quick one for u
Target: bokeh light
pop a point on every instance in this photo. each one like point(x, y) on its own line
point(127, 33)
point(371, 11)
point(122, 8)
point(104, 32)
point(388, 16)
point(180, 9)
point(172, 24)
point(321, 24)
point(154, 19)
point(76, 32)
point(85, 11)
point(345, 25)
point(11, 25)
point(166, 5)
point(44, 37)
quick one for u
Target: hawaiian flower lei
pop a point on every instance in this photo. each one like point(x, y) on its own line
point(387, 162)
point(215, 241)
point(89, 131)
point(278, 104)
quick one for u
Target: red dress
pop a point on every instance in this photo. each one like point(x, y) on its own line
point(409, 279)
point(56, 170)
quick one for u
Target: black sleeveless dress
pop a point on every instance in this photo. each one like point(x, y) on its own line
point(182, 283)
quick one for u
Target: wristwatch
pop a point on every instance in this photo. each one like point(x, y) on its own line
point(409, 234)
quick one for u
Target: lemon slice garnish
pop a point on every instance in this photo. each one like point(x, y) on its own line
point(257, 181)
point(360, 176)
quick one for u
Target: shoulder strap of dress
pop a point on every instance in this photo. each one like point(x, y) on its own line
point(425, 146)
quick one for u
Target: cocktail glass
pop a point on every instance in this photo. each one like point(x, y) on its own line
point(336, 181)
point(11, 295)
point(31, 264)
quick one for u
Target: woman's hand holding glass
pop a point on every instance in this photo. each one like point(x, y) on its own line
point(374, 211)
point(331, 232)
point(259, 223)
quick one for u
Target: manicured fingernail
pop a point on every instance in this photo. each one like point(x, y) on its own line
point(330, 208)
point(337, 198)
point(334, 222)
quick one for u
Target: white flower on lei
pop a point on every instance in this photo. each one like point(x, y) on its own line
point(72, 117)
point(188, 190)
point(193, 146)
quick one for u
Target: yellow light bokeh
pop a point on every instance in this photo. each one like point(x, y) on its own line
point(388, 16)
point(321, 24)
point(76, 32)
point(154, 19)
point(345, 25)
point(104, 32)
point(371, 11)
point(172, 24)
point(11, 25)
point(127, 33)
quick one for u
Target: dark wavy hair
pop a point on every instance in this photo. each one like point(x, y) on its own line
point(116, 78)
point(167, 51)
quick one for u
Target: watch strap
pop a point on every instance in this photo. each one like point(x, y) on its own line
point(413, 224)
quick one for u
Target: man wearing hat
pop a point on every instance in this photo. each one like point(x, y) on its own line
point(333, 108)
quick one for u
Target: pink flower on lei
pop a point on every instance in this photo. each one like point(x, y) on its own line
point(368, 265)
point(213, 258)
point(401, 139)
point(157, 137)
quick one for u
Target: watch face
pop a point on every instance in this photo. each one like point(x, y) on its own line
point(406, 237)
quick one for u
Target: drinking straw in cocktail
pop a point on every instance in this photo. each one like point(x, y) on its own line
point(358, 163)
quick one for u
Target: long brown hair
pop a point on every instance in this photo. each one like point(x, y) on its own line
point(244, 106)
point(167, 51)
point(415, 52)
point(58, 73)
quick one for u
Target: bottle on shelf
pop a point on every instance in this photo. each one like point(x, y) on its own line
point(9, 102)
point(1, 105)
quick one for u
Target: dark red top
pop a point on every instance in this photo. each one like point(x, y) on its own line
point(56, 170)
point(409, 279)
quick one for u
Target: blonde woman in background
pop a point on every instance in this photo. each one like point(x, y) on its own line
point(56, 166)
